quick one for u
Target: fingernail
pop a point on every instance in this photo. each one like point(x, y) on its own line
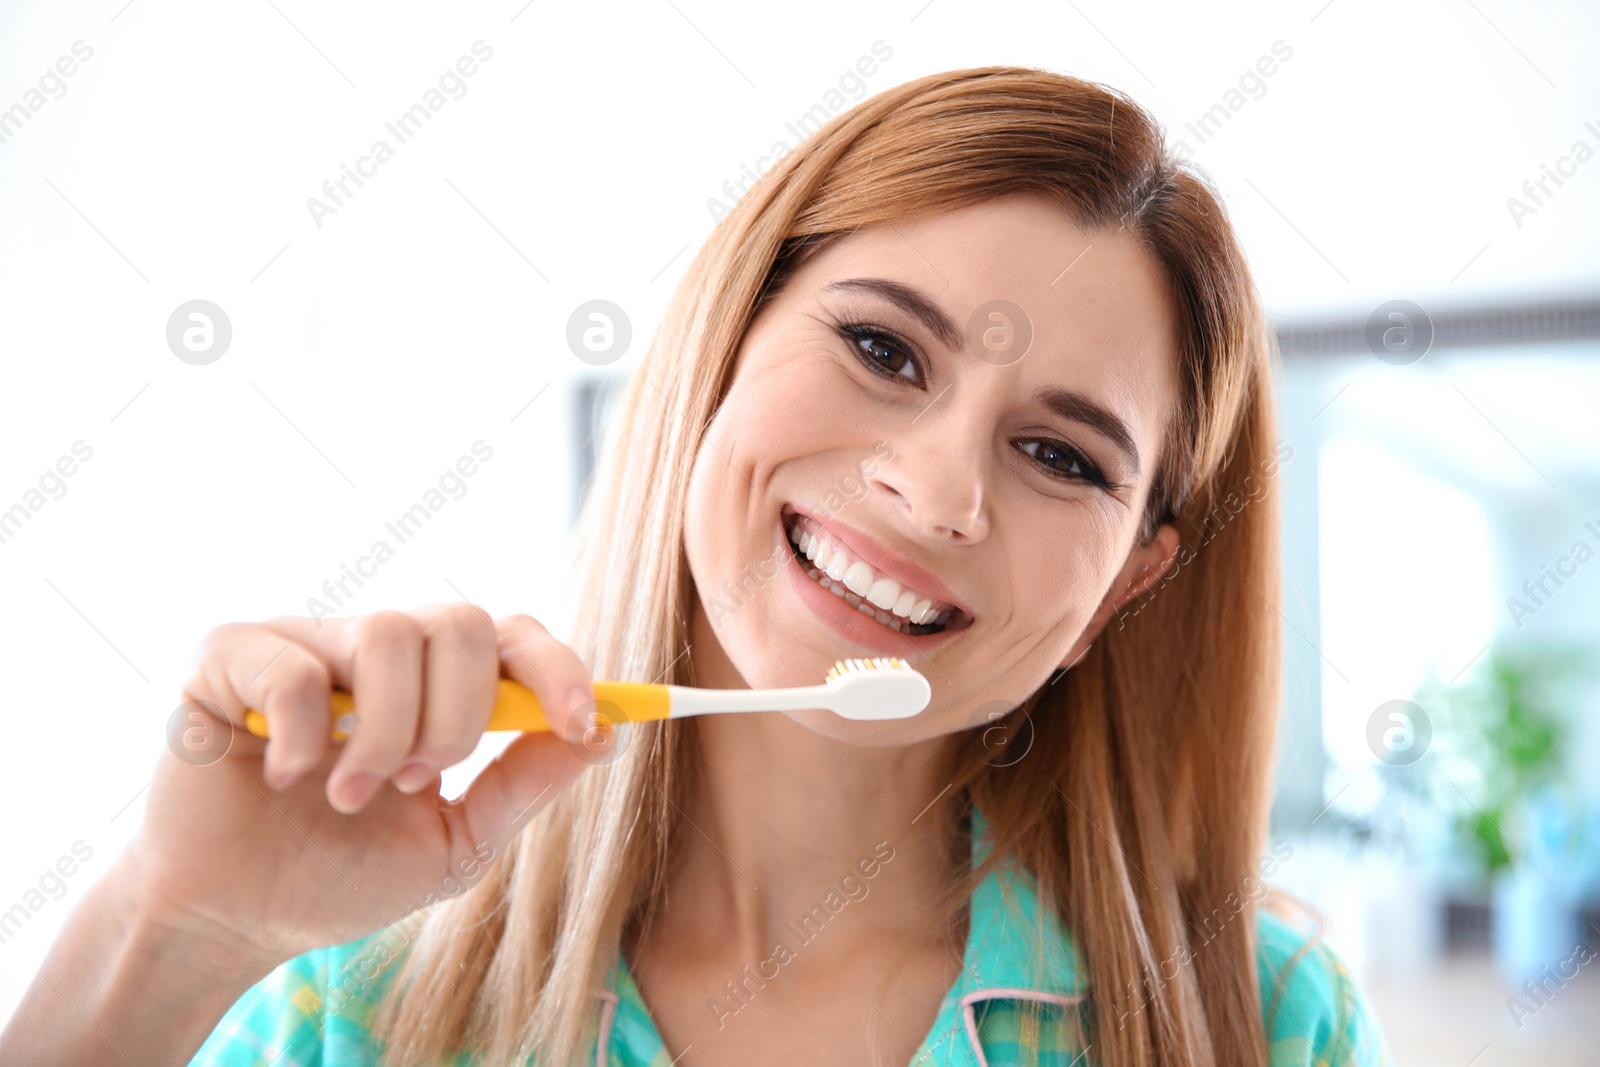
point(414, 776)
point(355, 791)
point(281, 777)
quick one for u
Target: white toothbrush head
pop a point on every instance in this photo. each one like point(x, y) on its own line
point(869, 690)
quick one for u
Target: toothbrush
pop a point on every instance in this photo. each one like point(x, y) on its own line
point(867, 690)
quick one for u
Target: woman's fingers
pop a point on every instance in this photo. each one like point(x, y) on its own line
point(242, 666)
point(386, 666)
point(460, 680)
point(528, 654)
point(531, 771)
point(424, 685)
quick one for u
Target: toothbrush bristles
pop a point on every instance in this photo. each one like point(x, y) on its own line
point(880, 663)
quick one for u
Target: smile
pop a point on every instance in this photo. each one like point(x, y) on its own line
point(892, 603)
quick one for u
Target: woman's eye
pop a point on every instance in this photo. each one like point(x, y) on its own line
point(883, 352)
point(1064, 462)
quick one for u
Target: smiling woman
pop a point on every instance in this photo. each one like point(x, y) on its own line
point(1023, 504)
point(1022, 332)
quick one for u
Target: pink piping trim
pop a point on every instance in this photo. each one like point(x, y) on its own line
point(607, 1014)
point(970, 1015)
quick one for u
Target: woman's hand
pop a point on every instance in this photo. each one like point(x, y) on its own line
point(254, 851)
point(281, 845)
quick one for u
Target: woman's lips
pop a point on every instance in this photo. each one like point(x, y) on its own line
point(858, 547)
point(850, 622)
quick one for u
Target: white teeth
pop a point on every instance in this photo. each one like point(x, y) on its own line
point(858, 578)
point(893, 622)
point(884, 592)
point(861, 583)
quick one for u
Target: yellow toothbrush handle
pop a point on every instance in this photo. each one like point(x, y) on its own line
point(515, 708)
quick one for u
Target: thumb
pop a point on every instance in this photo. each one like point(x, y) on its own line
point(517, 785)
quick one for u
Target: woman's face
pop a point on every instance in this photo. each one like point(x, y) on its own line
point(967, 410)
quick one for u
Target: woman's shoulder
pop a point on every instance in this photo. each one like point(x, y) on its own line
point(313, 1010)
point(1313, 1009)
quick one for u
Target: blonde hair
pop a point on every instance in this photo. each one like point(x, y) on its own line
point(1140, 808)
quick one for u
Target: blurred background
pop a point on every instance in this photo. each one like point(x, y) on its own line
point(227, 378)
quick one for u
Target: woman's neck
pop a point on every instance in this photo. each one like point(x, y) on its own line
point(781, 821)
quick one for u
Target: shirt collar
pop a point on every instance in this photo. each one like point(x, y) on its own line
point(1013, 942)
point(1016, 950)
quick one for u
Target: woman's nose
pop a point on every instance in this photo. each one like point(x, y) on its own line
point(937, 476)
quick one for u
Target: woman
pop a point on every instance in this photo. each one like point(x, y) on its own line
point(979, 336)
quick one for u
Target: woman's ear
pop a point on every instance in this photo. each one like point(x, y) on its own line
point(1143, 569)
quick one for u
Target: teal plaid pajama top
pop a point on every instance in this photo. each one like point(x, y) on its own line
point(313, 1010)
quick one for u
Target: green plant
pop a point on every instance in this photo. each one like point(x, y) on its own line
point(1501, 736)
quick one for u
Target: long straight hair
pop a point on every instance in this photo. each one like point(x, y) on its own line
point(1140, 806)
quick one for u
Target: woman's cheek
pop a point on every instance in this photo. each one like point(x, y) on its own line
point(704, 523)
point(1054, 589)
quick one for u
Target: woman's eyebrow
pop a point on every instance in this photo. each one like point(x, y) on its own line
point(1079, 408)
point(909, 300)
